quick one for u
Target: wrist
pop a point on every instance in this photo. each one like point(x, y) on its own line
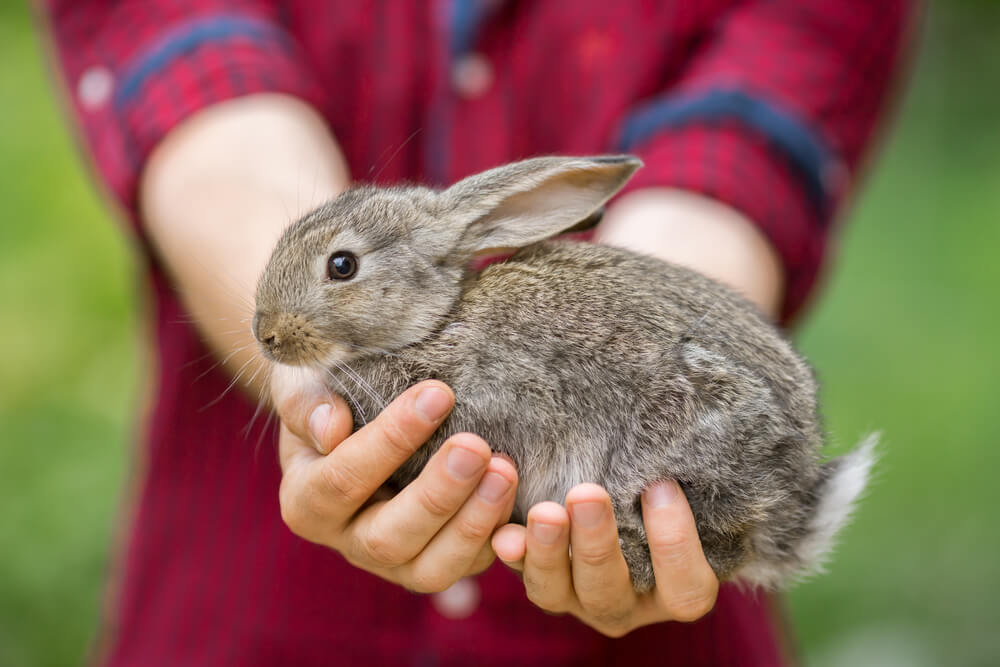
point(216, 194)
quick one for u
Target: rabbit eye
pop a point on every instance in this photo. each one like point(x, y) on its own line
point(342, 265)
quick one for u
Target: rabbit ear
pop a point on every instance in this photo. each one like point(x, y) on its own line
point(526, 202)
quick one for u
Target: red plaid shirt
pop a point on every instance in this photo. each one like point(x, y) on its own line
point(766, 106)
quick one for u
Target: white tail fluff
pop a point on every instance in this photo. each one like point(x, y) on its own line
point(837, 498)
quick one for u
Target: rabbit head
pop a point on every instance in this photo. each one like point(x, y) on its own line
point(377, 269)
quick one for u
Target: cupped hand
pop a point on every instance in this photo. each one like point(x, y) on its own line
point(591, 581)
point(433, 532)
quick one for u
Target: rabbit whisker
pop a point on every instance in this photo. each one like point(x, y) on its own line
point(222, 361)
point(239, 374)
point(261, 400)
point(360, 382)
point(370, 349)
point(263, 431)
point(350, 396)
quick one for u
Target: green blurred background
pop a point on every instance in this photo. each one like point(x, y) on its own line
point(904, 338)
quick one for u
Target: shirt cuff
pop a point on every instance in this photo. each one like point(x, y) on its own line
point(725, 161)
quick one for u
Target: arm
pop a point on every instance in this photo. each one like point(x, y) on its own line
point(594, 585)
point(747, 159)
point(215, 197)
point(210, 177)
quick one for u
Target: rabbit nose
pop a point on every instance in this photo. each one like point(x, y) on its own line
point(263, 330)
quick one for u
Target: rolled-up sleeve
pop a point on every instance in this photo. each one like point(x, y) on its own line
point(772, 116)
point(134, 70)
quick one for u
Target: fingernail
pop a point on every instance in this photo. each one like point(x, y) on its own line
point(463, 464)
point(662, 493)
point(432, 403)
point(318, 420)
point(493, 487)
point(546, 533)
point(587, 515)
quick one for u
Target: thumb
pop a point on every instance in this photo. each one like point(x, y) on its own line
point(309, 409)
point(685, 583)
point(510, 544)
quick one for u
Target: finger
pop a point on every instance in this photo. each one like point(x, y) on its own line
point(454, 549)
point(294, 453)
point(686, 586)
point(548, 576)
point(330, 424)
point(600, 574)
point(327, 420)
point(348, 476)
point(296, 495)
point(511, 498)
point(402, 527)
point(482, 561)
point(510, 544)
point(297, 395)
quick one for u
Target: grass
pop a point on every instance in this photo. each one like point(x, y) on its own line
point(68, 374)
point(905, 340)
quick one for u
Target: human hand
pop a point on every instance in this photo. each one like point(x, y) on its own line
point(594, 584)
point(433, 532)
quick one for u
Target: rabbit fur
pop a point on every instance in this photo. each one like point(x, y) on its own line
point(582, 363)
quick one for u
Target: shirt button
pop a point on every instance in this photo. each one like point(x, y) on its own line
point(472, 75)
point(458, 601)
point(94, 87)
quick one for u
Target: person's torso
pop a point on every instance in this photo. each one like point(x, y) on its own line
point(421, 92)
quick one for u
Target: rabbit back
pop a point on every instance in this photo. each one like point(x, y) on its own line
point(588, 363)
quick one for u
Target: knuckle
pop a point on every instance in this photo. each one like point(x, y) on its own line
point(692, 606)
point(668, 542)
point(400, 446)
point(343, 484)
point(482, 561)
point(380, 550)
point(610, 618)
point(435, 504)
point(545, 564)
point(596, 557)
point(291, 515)
point(608, 612)
point(426, 580)
point(541, 600)
point(294, 514)
point(550, 562)
point(470, 530)
point(615, 629)
point(541, 596)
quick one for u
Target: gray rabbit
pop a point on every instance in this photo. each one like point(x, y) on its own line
point(582, 363)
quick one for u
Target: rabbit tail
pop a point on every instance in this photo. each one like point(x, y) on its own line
point(840, 485)
point(842, 482)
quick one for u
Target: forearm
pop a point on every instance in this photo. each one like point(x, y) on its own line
point(216, 194)
point(700, 233)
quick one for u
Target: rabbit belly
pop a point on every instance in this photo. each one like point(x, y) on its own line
point(551, 479)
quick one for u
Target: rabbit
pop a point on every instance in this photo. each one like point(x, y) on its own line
point(582, 363)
